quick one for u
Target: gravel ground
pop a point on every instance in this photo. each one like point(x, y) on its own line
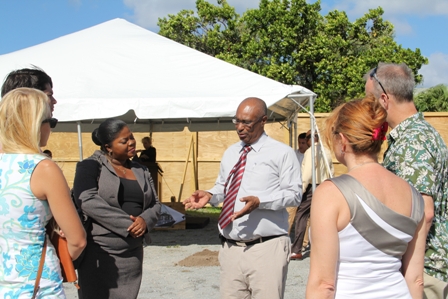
point(163, 278)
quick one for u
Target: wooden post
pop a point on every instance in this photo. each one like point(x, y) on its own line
point(195, 160)
point(187, 159)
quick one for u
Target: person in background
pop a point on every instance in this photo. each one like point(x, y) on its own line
point(119, 198)
point(148, 154)
point(367, 226)
point(303, 146)
point(32, 191)
point(417, 153)
point(48, 153)
point(323, 172)
point(300, 152)
point(32, 78)
point(259, 177)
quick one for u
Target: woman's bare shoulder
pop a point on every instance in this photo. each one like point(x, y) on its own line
point(326, 186)
point(327, 192)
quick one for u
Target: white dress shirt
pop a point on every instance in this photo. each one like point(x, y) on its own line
point(272, 174)
point(300, 157)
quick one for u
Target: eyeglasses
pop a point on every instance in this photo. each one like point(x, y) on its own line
point(246, 123)
point(53, 122)
point(374, 76)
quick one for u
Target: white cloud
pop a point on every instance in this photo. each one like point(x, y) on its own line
point(147, 12)
point(242, 6)
point(357, 8)
point(401, 27)
point(436, 72)
point(75, 3)
point(395, 11)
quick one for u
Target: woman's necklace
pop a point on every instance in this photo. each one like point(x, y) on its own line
point(122, 169)
point(359, 165)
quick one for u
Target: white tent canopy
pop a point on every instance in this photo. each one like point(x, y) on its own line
point(118, 69)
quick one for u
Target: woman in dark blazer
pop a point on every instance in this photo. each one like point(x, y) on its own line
point(120, 201)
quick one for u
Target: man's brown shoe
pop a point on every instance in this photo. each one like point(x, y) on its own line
point(296, 256)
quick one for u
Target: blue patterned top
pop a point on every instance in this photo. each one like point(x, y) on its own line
point(418, 154)
point(22, 231)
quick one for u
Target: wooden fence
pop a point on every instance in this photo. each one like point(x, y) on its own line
point(173, 148)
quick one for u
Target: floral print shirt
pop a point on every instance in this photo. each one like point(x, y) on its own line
point(417, 153)
point(22, 233)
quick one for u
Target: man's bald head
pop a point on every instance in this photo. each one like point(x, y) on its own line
point(255, 104)
point(250, 119)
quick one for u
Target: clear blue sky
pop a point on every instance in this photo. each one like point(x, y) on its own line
point(23, 23)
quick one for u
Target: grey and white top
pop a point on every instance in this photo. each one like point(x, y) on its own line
point(372, 244)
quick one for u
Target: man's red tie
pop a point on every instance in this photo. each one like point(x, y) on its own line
point(231, 192)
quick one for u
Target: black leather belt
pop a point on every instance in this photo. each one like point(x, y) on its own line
point(248, 243)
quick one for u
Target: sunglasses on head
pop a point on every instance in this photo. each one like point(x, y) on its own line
point(53, 122)
point(374, 76)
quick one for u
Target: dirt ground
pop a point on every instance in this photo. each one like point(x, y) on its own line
point(205, 258)
point(183, 264)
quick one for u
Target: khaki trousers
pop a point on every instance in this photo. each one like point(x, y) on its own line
point(258, 271)
point(434, 288)
point(291, 215)
point(306, 239)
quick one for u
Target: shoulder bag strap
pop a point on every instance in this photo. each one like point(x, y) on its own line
point(41, 268)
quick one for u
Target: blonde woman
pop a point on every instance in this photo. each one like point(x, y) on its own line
point(367, 226)
point(32, 191)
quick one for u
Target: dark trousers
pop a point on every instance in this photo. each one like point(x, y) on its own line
point(302, 215)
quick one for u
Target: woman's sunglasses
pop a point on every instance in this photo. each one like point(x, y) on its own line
point(53, 122)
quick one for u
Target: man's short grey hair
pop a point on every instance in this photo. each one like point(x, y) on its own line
point(397, 79)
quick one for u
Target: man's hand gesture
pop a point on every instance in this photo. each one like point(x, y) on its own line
point(197, 200)
point(252, 202)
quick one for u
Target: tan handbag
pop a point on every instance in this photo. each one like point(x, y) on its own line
point(60, 245)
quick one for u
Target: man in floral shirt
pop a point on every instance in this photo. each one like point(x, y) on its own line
point(416, 153)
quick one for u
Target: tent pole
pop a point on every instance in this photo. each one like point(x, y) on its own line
point(185, 169)
point(313, 147)
point(290, 129)
point(327, 164)
point(295, 133)
point(78, 124)
point(195, 160)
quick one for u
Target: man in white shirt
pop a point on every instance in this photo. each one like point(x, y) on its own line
point(303, 146)
point(255, 248)
point(300, 153)
point(303, 211)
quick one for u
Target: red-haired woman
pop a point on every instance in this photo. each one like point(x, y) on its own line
point(367, 226)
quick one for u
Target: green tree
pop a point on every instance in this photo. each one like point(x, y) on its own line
point(291, 42)
point(434, 99)
point(210, 31)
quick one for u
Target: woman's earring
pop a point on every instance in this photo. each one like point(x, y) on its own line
point(110, 154)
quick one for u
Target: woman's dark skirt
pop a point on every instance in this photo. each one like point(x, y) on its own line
point(111, 268)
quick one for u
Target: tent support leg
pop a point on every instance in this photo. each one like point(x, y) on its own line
point(195, 160)
point(185, 168)
point(78, 124)
point(295, 133)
